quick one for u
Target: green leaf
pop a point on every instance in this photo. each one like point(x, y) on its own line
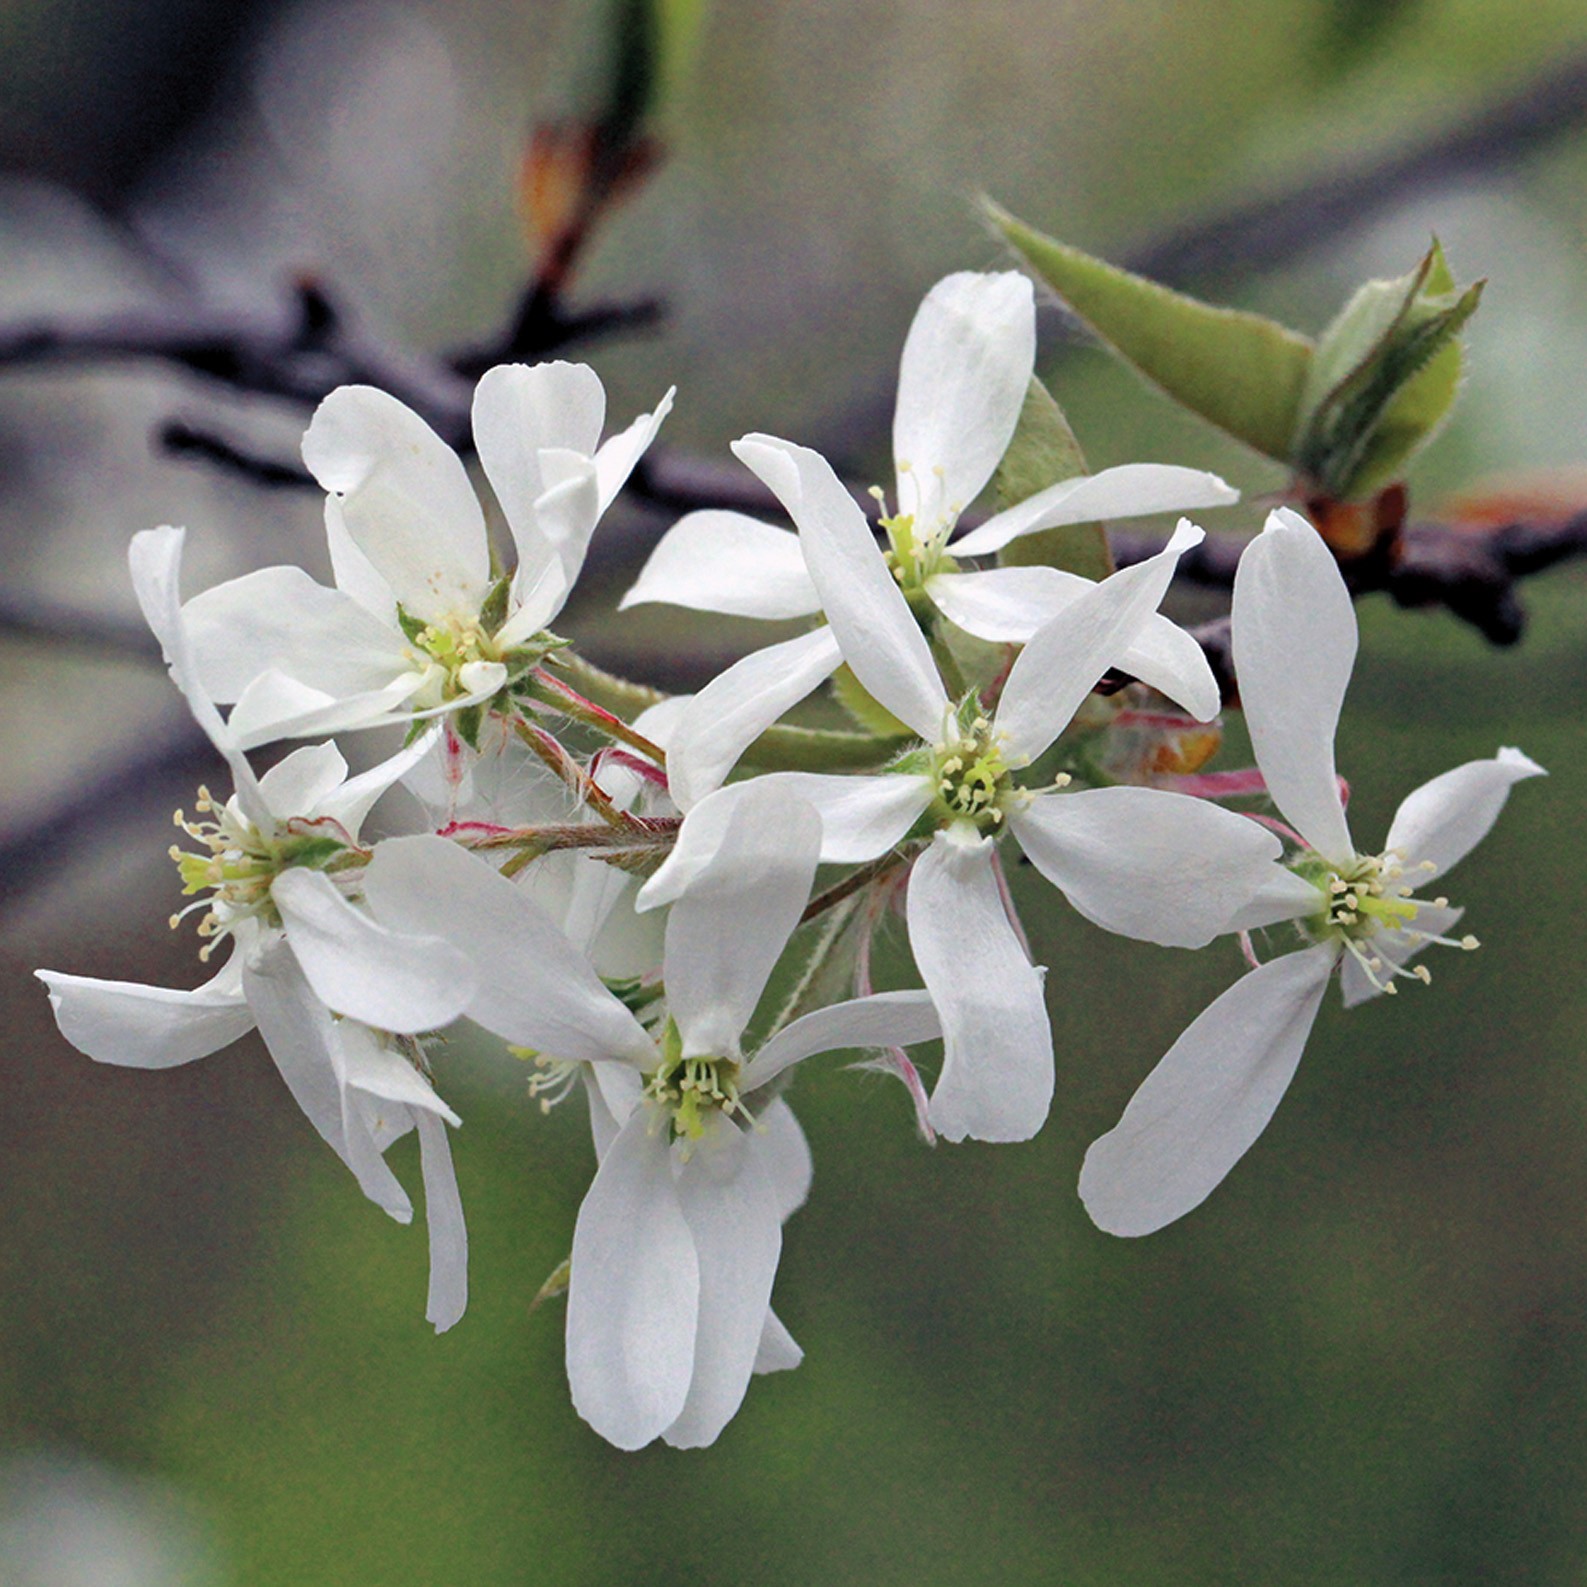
point(1043, 452)
point(1239, 371)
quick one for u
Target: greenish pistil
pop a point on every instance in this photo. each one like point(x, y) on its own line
point(974, 777)
point(236, 864)
point(910, 559)
point(693, 1093)
point(452, 646)
point(1368, 897)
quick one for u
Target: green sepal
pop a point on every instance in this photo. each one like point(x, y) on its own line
point(868, 713)
point(467, 724)
point(555, 1285)
point(1240, 371)
point(1385, 376)
point(1043, 452)
point(412, 626)
point(493, 610)
point(311, 850)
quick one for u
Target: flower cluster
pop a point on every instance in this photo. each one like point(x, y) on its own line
point(612, 894)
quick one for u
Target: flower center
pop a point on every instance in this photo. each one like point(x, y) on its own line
point(449, 646)
point(1366, 898)
point(974, 775)
point(912, 558)
point(235, 864)
point(693, 1093)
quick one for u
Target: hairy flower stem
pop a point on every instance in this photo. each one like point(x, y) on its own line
point(541, 685)
point(573, 775)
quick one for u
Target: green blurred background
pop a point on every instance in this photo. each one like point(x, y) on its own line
point(1364, 1360)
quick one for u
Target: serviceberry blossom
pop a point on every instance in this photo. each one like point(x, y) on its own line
point(418, 622)
point(1365, 915)
point(677, 1242)
point(966, 369)
point(268, 869)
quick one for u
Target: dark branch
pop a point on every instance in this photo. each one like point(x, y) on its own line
point(185, 440)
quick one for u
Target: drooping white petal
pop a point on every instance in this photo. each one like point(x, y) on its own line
point(532, 986)
point(1162, 867)
point(1441, 822)
point(997, 1068)
point(275, 706)
point(353, 572)
point(731, 1208)
point(353, 800)
point(885, 1019)
point(714, 561)
point(443, 1214)
point(617, 458)
point(280, 619)
point(358, 966)
point(728, 930)
point(1129, 491)
point(1294, 640)
point(154, 558)
point(633, 1293)
point(861, 817)
point(779, 1351)
point(1008, 605)
point(150, 1027)
point(297, 783)
point(1394, 947)
point(1063, 660)
point(1208, 1099)
point(387, 1075)
point(880, 638)
point(406, 500)
point(962, 380)
point(734, 709)
point(781, 1146)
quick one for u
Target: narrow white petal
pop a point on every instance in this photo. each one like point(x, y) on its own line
point(1064, 659)
point(1395, 947)
point(779, 1351)
point(364, 969)
point(726, 933)
point(880, 639)
point(1129, 491)
point(715, 561)
point(616, 460)
point(149, 1027)
point(731, 1207)
point(962, 381)
point(533, 987)
point(280, 619)
point(353, 800)
point(885, 1019)
point(386, 1075)
point(633, 1293)
point(781, 1146)
point(1162, 867)
point(733, 710)
point(297, 783)
point(406, 500)
point(1208, 1099)
point(275, 706)
point(1441, 822)
point(997, 1068)
point(353, 572)
point(1294, 639)
point(1283, 896)
point(443, 1213)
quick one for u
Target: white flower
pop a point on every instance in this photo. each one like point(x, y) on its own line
point(299, 950)
point(966, 367)
point(677, 1242)
point(1214, 1091)
point(416, 623)
point(1141, 861)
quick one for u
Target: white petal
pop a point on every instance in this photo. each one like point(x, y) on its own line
point(154, 558)
point(613, 1091)
point(779, 1351)
point(296, 783)
point(353, 800)
point(617, 458)
point(861, 817)
point(885, 1019)
point(781, 1146)
point(406, 500)
point(1008, 605)
point(354, 573)
point(1396, 947)
point(275, 706)
point(364, 969)
point(633, 1293)
point(731, 1208)
point(1129, 491)
point(1283, 896)
point(1064, 659)
point(726, 933)
point(733, 710)
point(1208, 1099)
point(280, 619)
point(443, 1213)
point(533, 987)
point(880, 639)
point(1294, 639)
point(726, 562)
point(1162, 867)
point(997, 1068)
point(149, 1027)
point(387, 1075)
point(962, 381)
point(1444, 820)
